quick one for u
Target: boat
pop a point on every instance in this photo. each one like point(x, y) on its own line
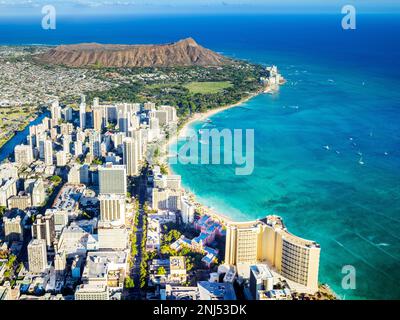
point(361, 161)
point(327, 147)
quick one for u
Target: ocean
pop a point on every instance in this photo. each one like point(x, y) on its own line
point(341, 92)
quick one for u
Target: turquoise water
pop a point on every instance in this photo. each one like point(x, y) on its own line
point(352, 210)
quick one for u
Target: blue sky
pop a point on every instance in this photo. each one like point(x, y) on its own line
point(24, 7)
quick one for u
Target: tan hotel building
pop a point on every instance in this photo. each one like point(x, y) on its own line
point(268, 241)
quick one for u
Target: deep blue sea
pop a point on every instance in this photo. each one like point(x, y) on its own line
point(342, 91)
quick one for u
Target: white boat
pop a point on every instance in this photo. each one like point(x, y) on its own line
point(361, 161)
point(327, 147)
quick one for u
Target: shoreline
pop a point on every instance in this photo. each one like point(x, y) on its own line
point(201, 208)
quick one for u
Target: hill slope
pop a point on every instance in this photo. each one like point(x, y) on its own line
point(185, 52)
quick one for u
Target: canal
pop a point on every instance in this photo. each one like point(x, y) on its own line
point(19, 137)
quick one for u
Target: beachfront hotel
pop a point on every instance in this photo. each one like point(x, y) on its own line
point(268, 241)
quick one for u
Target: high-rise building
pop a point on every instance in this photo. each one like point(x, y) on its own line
point(171, 181)
point(112, 179)
point(38, 193)
point(138, 136)
point(37, 255)
point(60, 263)
point(112, 237)
point(162, 116)
point(61, 219)
point(8, 170)
point(55, 110)
point(268, 241)
point(171, 113)
point(23, 154)
point(61, 158)
point(112, 208)
point(95, 102)
point(44, 228)
point(98, 118)
point(166, 199)
point(78, 148)
point(68, 114)
point(149, 106)
point(95, 143)
point(92, 292)
point(13, 228)
point(131, 156)
point(48, 152)
point(123, 120)
point(187, 210)
point(21, 201)
point(67, 143)
point(82, 113)
point(74, 176)
point(8, 189)
point(66, 129)
point(261, 278)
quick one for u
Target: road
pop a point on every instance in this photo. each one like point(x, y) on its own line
point(139, 191)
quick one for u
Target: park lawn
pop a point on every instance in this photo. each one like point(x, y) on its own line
point(208, 87)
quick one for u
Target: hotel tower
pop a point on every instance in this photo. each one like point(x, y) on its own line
point(268, 241)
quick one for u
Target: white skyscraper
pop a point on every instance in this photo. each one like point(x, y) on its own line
point(82, 113)
point(131, 156)
point(23, 154)
point(55, 110)
point(187, 210)
point(112, 208)
point(78, 148)
point(95, 143)
point(98, 118)
point(48, 152)
point(37, 255)
point(67, 143)
point(61, 158)
point(137, 135)
point(112, 179)
point(43, 228)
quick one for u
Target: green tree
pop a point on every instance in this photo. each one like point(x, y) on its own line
point(2, 211)
point(161, 271)
point(56, 180)
point(129, 282)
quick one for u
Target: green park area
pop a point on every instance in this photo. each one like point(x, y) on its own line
point(207, 87)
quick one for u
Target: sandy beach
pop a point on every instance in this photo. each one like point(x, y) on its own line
point(203, 116)
point(182, 133)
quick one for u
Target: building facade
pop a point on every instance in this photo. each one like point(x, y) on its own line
point(268, 241)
